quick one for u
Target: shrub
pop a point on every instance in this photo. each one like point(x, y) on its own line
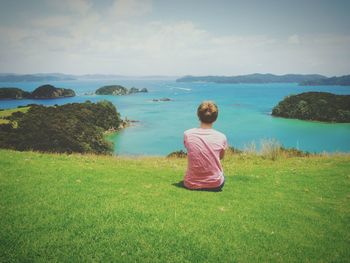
point(270, 148)
point(234, 150)
point(250, 148)
point(293, 152)
point(177, 154)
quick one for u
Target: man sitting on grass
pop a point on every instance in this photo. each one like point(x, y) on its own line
point(205, 147)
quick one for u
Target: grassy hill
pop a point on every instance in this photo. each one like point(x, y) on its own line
point(102, 208)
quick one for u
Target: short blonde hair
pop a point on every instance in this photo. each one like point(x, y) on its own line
point(207, 112)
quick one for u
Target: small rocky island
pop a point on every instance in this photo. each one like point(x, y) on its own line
point(43, 92)
point(161, 99)
point(118, 90)
point(315, 106)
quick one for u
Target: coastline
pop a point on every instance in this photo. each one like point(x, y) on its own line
point(124, 124)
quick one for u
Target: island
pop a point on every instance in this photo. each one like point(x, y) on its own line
point(43, 92)
point(161, 99)
point(333, 81)
point(315, 106)
point(256, 78)
point(13, 93)
point(50, 92)
point(118, 90)
point(136, 90)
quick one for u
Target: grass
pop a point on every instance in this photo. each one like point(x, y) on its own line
point(102, 208)
point(8, 112)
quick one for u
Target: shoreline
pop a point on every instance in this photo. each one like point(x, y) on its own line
point(124, 124)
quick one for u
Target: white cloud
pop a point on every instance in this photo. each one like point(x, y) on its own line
point(75, 6)
point(57, 21)
point(294, 39)
point(130, 8)
point(91, 42)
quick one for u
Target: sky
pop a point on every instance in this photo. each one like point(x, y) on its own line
point(174, 38)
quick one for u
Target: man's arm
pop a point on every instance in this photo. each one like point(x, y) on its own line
point(222, 154)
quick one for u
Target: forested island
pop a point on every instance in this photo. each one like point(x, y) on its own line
point(74, 127)
point(339, 81)
point(316, 106)
point(43, 92)
point(13, 93)
point(254, 78)
point(118, 90)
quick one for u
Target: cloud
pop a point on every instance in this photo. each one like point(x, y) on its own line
point(75, 6)
point(130, 8)
point(57, 21)
point(88, 40)
point(294, 39)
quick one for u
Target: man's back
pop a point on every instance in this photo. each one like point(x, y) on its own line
point(204, 147)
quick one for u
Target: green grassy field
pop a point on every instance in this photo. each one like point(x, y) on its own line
point(103, 208)
point(8, 112)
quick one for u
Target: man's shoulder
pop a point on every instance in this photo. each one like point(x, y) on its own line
point(206, 131)
point(190, 131)
point(219, 134)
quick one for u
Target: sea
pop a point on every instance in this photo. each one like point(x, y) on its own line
point(244, 114)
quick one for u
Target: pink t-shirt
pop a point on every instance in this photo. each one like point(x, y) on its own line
point(204, 147)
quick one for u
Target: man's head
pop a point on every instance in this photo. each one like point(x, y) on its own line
point(207, 112)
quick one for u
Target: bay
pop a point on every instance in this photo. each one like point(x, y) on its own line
point(244, 114)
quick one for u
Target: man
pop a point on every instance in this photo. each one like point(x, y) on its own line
point(205, 147)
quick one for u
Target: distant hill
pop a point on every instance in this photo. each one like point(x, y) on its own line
point(256, 78)
point(11, 77)
point(318, 106)
point(336, 81)
point(35, 77)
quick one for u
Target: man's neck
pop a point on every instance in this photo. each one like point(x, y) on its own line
point(206, 125)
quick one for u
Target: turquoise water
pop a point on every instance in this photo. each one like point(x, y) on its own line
point(244, 114)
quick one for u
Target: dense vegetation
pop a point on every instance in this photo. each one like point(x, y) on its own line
point(319, 106)
point(83, 208)
point(76, 127)
point(43, 92)
point(340, 81)
point(118, 90)
point(253, 78)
